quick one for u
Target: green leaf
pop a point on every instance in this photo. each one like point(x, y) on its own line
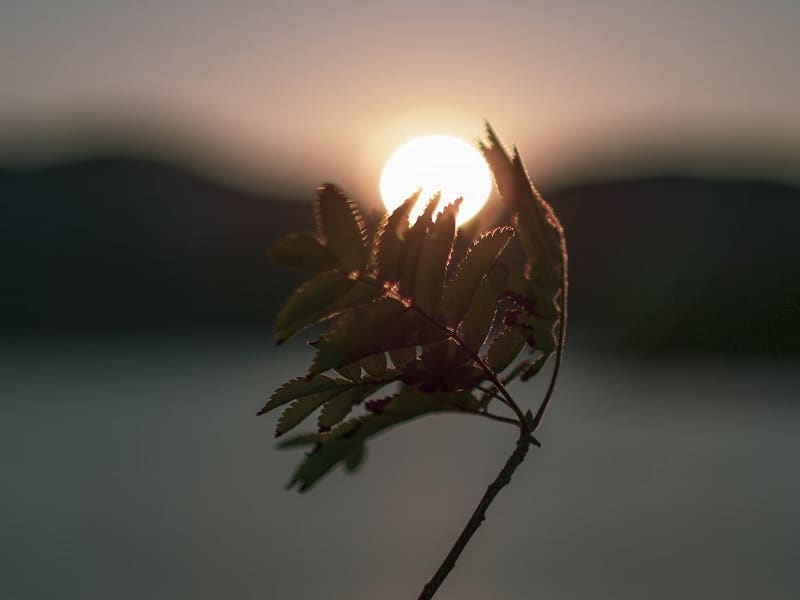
point(402, 357)
point(534, 366)
point(390, 246)
point(341, 226)
point(321, 297)
point(504, 348)
point(338, 407)
point(415, 238)
point(297, 388)
point(345, 443)
point(300, 409)
point(539, 229)
point(481, 256)
point(351, 371)
point(433, 260)
point(383, 325)
point(375, 365)
point(302, 251)
point(480, 315)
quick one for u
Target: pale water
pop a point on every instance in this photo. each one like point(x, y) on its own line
point(136, 468)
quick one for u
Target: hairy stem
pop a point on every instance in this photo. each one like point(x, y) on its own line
point(479, 515)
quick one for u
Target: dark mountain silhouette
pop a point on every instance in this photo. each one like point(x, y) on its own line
point(673, 264)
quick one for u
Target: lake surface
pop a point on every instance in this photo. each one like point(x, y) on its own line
point(136, 468)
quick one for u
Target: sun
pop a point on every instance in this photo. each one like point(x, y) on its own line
point(437, 163)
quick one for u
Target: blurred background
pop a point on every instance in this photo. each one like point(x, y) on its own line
point(151, 151)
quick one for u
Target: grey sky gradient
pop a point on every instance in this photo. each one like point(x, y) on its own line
point(324, 90)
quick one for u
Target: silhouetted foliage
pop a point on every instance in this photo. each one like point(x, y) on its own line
point(404, 311)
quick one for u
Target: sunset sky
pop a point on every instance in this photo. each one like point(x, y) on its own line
point(299, 92)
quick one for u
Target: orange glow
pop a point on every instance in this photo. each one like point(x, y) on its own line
point(437, 163)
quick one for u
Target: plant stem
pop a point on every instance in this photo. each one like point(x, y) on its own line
point(479, 515)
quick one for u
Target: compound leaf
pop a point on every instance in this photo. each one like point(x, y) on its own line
point(383, 325)
point(480, 314)
point(296, 388)
point(341, 226)
point(433, 260)
point(390, 246)
point(504, 348)
point(301, 408)
point(479, 259)
point(375, 365)
point(338, 407)
point(320, 298)
point(415, 238)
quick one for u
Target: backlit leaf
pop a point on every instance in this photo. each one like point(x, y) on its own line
point(345, 443)
point(481, 256)
point(402, 356)
point(297, 388)
point(415, 238)
point(338, 407)
point(301, 408)
point(375, 365)
point(342, 228)
point(391, 241)
point(433, 260)
point(539, 229)
point(320, 298)
point(383, 325)
point(504, 348)
point(480, 314)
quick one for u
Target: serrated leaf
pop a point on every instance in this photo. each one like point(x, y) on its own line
point(504, 348)
point(341, 226)
point(301, 408)
point(351, 372)
point(539, 229)
point(383, 325)
point(297, 388)
point(433, 260)
point(479, 259)
point(480, 314)
point(302, 251)
point(375, 365)
point(402, 357)
point(338, 407)
point(320, 298)
point(348, 438)
point(391, 240)
point(415, 238)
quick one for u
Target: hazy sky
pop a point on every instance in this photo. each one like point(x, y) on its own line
point(327, 89)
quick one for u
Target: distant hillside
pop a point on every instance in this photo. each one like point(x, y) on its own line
point(669, 264)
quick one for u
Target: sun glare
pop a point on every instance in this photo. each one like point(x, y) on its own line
point(437, 163)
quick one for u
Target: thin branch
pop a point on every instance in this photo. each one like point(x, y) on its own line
point(494, 417)
point(478, 516)
point(491, 392)
point(490, 375)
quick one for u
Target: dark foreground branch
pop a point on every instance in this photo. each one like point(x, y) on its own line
point(503, 479)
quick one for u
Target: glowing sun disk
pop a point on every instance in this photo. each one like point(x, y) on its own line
point(437, 163)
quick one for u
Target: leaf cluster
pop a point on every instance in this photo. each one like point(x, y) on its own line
point(411, 330)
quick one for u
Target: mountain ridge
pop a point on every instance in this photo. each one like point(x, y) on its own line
point(658, 264)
